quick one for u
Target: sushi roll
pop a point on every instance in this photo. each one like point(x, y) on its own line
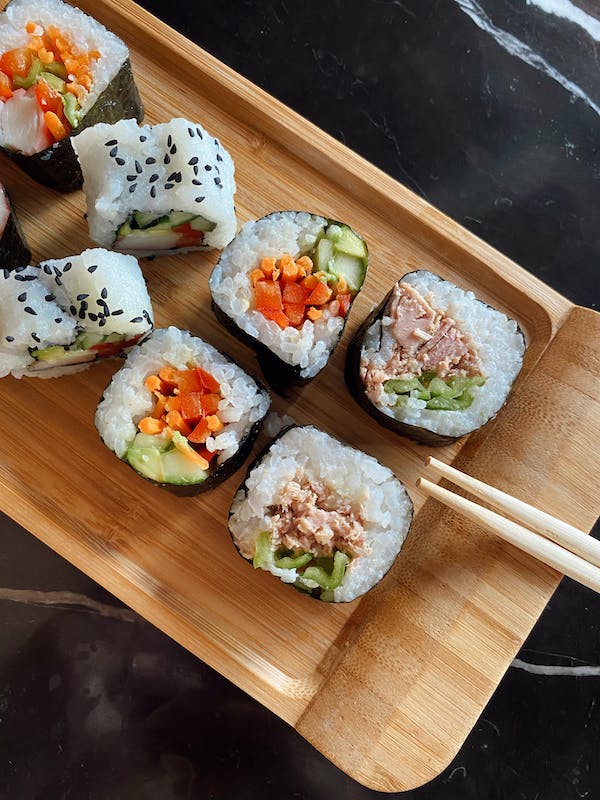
point(285, 286)
point(180, 413)
point(433, 362)
point(60, 71)
point(156, 189)
point(13, 248)
point(320, 515)
point(59, 316)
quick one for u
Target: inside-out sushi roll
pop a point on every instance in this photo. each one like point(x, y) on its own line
point(433, 362)
point(60, 71)
point(157, 189)
point(61, 315)
point(321, 515)
point(181, 413)
point(285, 286)
point(13, 248)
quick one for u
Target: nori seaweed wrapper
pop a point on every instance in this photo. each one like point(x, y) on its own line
point(57, 166)
point(13, 248)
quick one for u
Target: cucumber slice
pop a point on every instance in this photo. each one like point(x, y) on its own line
point(350, 243)
point(49, 353)
point(71, 108)
point(86, 340)
point(54, 82)
point(179, 469)
point(323, 255)
point(149, 239)
point(180, 218)
point(201, 224)
point(158, 441)
point(351, 268)
point(143, 219)
point(112, 338)
point(334, 232)
point(147, 461)
point(57, 356)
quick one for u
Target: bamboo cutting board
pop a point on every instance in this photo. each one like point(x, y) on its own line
point(388, 686)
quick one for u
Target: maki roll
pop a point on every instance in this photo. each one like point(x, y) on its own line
point(320, 515)
point(61, 315)
point(156, 189)
point(60, 71)
point(433, 362)
point(181, 413)
point(13, 249)
point(285, 286)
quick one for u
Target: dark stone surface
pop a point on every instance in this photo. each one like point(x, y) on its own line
point(97, 704)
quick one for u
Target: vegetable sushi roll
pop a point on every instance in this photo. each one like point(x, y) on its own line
point(60, 71)
point(285, 286)
point(13, 248)
point(321, 515)
point(157, 189)
point(61, 315)
point(433, 362)
point(181, 413)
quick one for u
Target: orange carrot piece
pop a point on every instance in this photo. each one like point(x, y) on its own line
point(295, 313)
point(319, 295)
point(200, 433)
point(30, 27)
point(173, 403)
point(45, 56)
point(342, 286)
point(310, 282)
point(214, 423)
point(257, 275)
point(176, 422)
point(289, 270)
point(159, 408)
point(267, 265)
point(151, 426)
point(267, 295)
point(170, 376)
point(55, 126)
point(305, 263)
point(190, 453)
point(277, 316)
point(314, 313)
point(153, 383)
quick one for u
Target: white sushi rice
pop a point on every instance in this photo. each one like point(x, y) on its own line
point(308, 347)
point(51, 303)
point(371, 490)
point(174, 166)
point(497, 340)
point(126, 400)
point(85, 33)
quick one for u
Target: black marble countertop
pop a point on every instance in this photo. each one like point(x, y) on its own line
point(491, 111)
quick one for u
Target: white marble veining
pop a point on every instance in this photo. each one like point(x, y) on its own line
point(521, 50)
point(567, 10)
point(550, 669)
point(66, 599)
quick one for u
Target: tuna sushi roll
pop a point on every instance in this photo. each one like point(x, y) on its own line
point(59, 316)
point(182, 414)
point(433, 362)
point(320, 515)
point(60, 71)
point(13, 249)
point(157, 189)
point(285, 286)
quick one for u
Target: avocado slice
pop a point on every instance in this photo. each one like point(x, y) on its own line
point(180, 469)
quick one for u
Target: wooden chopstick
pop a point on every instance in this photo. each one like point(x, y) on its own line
point(532, 543)
point(533, 518)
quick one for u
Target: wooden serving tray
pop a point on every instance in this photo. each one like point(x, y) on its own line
point(388, 686)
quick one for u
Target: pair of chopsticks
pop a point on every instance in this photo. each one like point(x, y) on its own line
point(545, 537)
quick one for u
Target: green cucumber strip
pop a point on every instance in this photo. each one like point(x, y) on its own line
point(263, 553)
point(326, 580)
point(54, 82)
point(290, 562)
point(451, 403)
point(402, 385)
point(71, 110)
point(31, 77)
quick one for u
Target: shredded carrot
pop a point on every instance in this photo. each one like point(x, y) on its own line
point(30, 27)
point(314, 313)
point(267, 265)
point(55, 126)
point(151, 426)
point(257, 275)
point(214, 423)
point(160, 407)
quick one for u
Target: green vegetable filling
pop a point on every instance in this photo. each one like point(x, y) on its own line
point(326, 572)
point(450, 394)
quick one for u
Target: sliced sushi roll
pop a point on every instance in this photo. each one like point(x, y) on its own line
point(61, 315)
point(13, 248)
point(320, 515)
point(182, 414)
point(285, 286)
point(60, 71)
point(433, 362)
point(157, 189)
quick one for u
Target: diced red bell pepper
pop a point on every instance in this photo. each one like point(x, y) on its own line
point(208, 382)
point(210, 404)
point(295, 313)
point(276, 315)
point(294, 293)
point(189, 381)
point(49, 99)
point(319, 295)
point(344, 300)
point(202, 451)
point(191, 407)
point(5, 86)
point(267, 295)
point(16, 62)
point(200, 433)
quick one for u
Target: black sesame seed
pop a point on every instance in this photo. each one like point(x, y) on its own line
point(93, 316)
point(173, 150)
point(193, 161)
point(58, 320)
point(207, 167)
point(6, 273)
point(101, 323)
point(191, 133)
point(218, 183)
point(177, 177)
point(81, 297)
point(120, 161)
point(137, 319)
point(153, 191)
point(110, 143)
point(47, 269)
point(20, 269)
point(81, 313)
point(199, 132)
point(216, 141)
point(117, 313)
point(131, 178)
point(57, 271)
point(49, 298)
point(113, 152)
point(169, 140)
point(219, 157)
point(19, 278)
point(35, 337)
point(196, 182)
point(153, 177)
point(57, 281)
point(172, 176)
point(132, 188)
point(150, 160)
point(199, 199)
point(67, 266)
point(10, 338)
point(84, 305)
point(196, 170)
point(93, 268)
point(72, 310)
point(138, 168)
point(30, 310)
point(143, 138)
point(101, 315)
point(22, 297)
point(167, 159)
point(147, 316)
point(169, 185)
